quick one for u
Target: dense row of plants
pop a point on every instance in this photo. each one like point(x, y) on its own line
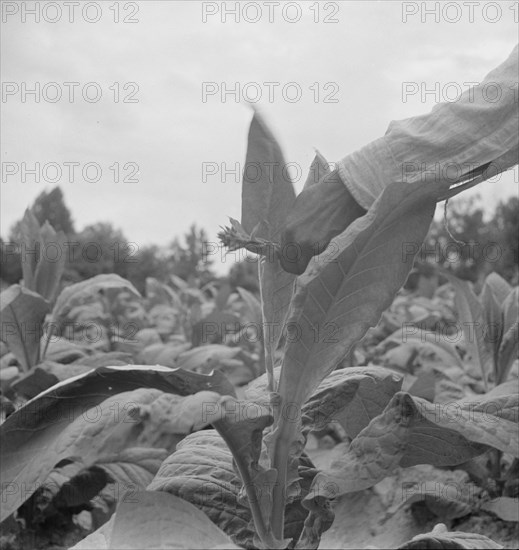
point(199, 414)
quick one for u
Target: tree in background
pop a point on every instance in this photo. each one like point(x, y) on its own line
point(190, 261)
point(472, 247)
point(245, 275)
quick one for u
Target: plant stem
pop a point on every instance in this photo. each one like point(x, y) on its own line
point(269, 362)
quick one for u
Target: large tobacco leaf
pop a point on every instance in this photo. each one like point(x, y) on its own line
point(60, 422)
point(413, 431)
point(267, 197)
point(23, 312)
point(267, 190)
point(340, 296)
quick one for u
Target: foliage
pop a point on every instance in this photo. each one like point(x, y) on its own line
point(340, 350)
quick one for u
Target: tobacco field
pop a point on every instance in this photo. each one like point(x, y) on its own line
point(363, 404)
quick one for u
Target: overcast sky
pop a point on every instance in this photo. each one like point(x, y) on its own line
point(167, 54)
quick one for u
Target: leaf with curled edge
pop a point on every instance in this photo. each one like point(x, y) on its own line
point(473, 324)
point(353, 396)
point(400, 436)
point(347, 287)
point(28, 452)
point(318, 169)
point(439, 537)
point(267, 189)
point(154, 519)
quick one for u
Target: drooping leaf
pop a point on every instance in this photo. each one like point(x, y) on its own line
point(267, 190)
point(473, 324)
point(155, 519)
point(405, 434)
point(29, 436)
point(23, 312)
point(318, 169)
point(439, 537)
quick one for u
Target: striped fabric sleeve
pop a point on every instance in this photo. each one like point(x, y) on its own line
point(480, 126)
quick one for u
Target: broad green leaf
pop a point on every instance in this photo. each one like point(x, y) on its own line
point(318, 169)
point(23, 312)
point(267, 190)
point(31, 434)
point(439, 537)
point(154, 519)
point(473, 323)
point(73, 295)
point(145, 417)
point(405, 434)
point(346, 289)
point(504, 508)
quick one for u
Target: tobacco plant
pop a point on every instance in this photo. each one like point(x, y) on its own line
point(248, 478)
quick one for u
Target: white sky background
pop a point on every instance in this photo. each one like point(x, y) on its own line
point(171, 132)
